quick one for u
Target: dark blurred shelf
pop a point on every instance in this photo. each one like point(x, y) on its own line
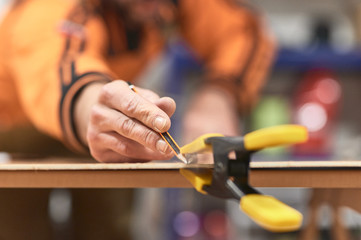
point(324, 57)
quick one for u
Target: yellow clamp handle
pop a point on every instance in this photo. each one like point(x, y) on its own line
point(271, 213)
point(266, 211)
point(198, 180)
point(198, 145)
point(274, 136)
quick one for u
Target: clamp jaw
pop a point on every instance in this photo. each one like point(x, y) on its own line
point(229, 177)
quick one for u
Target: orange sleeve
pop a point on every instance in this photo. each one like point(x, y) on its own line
point(230, 39)
point(52, 59)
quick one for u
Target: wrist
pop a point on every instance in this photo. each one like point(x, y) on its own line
point(87, 98)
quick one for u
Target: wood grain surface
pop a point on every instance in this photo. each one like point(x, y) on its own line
point(86, 173)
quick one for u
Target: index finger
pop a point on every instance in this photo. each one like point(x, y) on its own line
point(119, 96)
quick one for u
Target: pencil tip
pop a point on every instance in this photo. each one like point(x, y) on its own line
point(182, 158)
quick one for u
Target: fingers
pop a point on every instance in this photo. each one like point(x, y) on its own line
point(110, 120)
point(112, 147)
point(119, 96)
point(167, 104)
point(148, 94)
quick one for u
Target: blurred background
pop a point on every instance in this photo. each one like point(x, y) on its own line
point(315, 81)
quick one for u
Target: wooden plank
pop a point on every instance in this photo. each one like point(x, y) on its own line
point(65, 173)
point(85, 173)
point(307, 164)
point(306, 178)
point(86, 164)
point(93, 179)
point(97, 166)
point(306, 174)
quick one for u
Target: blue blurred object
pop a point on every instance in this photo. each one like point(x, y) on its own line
point(322, 56)
point(182, 62)
point(319, 52)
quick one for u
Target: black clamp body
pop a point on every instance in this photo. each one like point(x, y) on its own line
point(230, 176)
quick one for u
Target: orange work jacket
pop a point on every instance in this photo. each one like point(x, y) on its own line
point(51, 49)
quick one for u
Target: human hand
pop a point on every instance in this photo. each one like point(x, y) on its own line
point(124, 126)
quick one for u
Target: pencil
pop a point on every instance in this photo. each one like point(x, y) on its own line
point(168, 138)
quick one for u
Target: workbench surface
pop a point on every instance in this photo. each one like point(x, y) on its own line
point(85, 173)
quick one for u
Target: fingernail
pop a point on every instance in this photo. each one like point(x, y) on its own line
point(161, 146)
point(159, 124)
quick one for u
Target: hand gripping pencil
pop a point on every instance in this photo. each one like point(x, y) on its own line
point(168, 138)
